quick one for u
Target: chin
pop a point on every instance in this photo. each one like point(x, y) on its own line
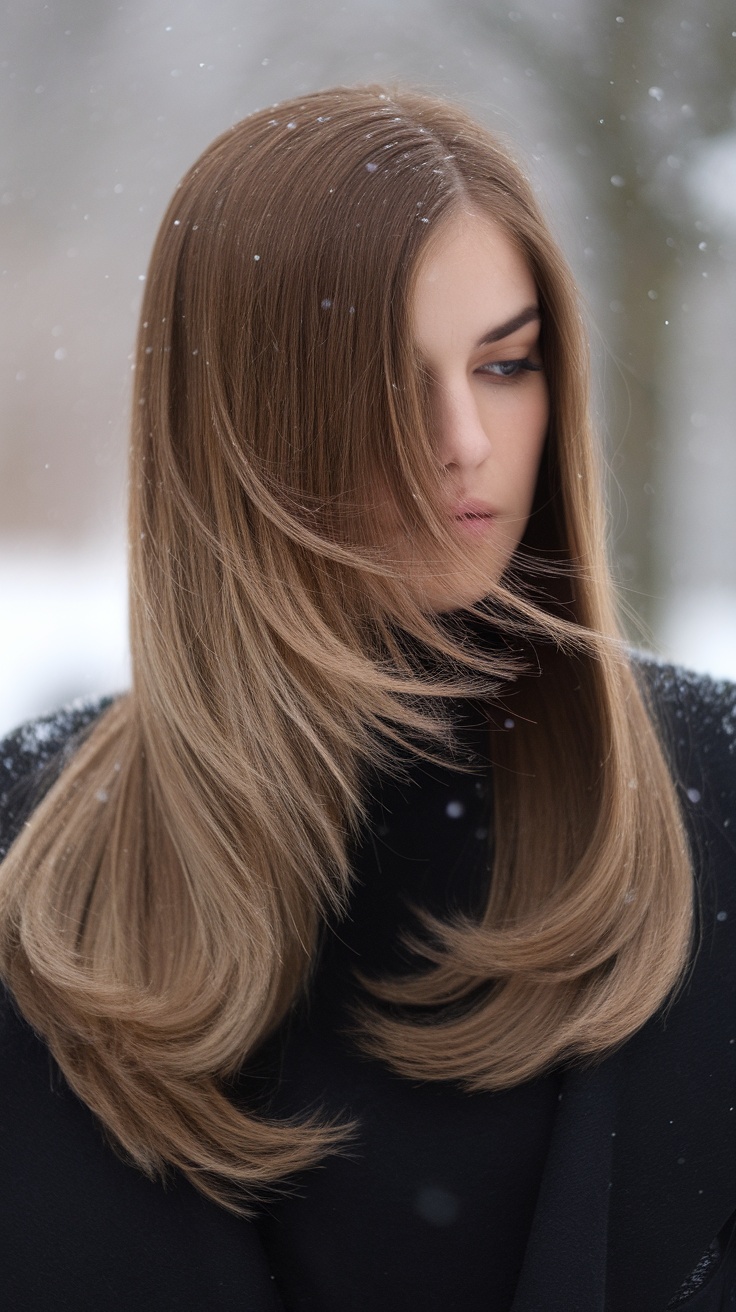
point(450, 599)
point(451, 595)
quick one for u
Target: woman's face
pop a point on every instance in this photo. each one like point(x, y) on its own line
point(475, 321)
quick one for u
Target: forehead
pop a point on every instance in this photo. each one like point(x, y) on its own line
point(470, 278)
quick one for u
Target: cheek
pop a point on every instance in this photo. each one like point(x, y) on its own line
point(538, 425)
point(526, 434)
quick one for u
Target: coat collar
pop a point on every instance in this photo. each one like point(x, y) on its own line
point(564, 1266)
point(639, 1177)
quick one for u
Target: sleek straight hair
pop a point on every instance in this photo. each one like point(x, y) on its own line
point(282, 450)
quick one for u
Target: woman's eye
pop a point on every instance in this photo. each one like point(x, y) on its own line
point(509, 368)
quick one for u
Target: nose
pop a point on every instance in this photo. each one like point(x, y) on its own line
point(462, 441)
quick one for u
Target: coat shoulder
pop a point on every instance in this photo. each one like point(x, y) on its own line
point(696, 718)
point(708, 704)
point(33, 755)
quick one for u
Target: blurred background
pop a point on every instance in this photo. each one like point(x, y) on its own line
point(624, 114)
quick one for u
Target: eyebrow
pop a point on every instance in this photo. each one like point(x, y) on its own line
point(511, 326)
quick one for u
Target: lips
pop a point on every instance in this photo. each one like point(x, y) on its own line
point(474, 519)
point(472, 510)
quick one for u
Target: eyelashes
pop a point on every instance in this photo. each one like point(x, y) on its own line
point(509, 369)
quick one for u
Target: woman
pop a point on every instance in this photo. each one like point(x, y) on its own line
point(352, 958)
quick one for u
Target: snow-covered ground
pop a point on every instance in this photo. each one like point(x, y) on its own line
point(64, 629)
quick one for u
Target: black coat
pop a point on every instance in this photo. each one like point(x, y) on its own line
point(638, 1194)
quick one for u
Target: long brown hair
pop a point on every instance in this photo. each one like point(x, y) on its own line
point(279, 652)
